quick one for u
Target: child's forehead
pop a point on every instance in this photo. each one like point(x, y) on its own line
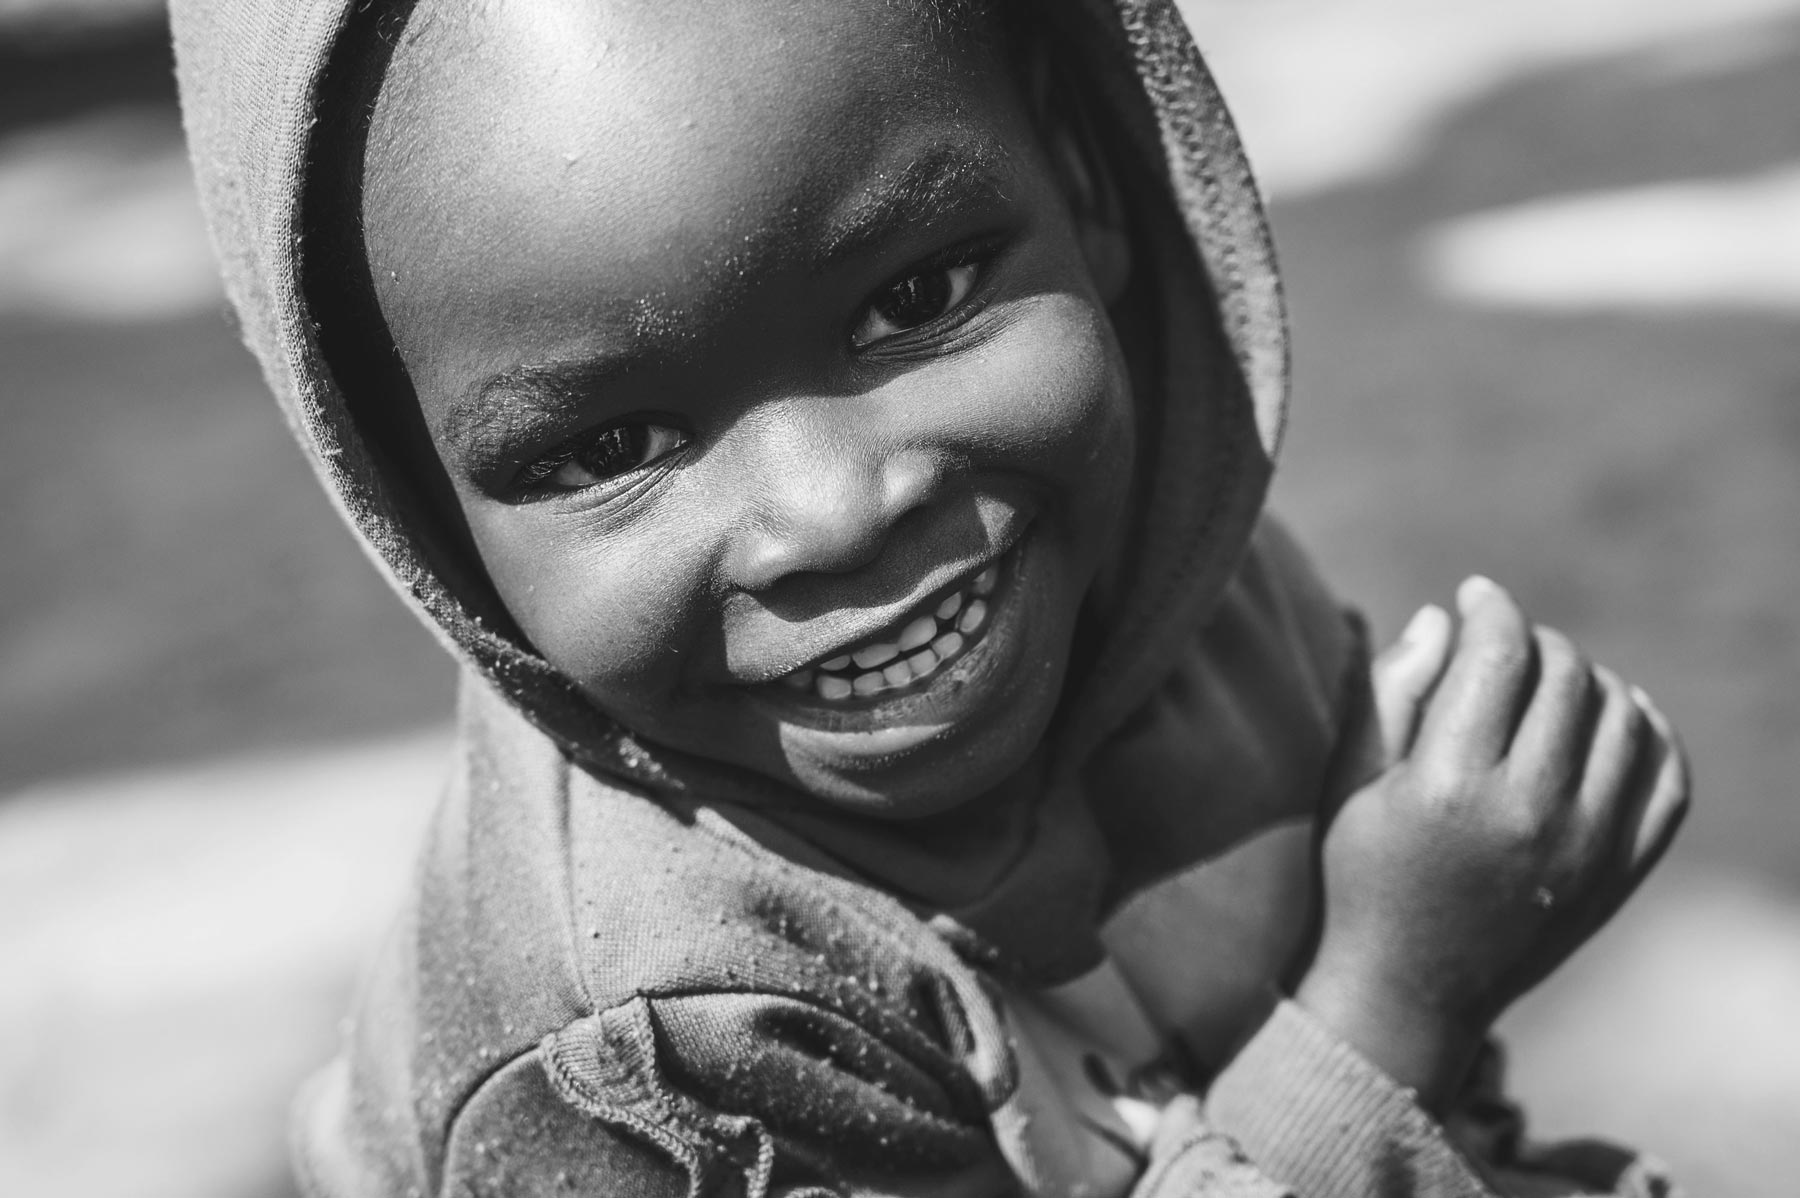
point(645, 138)
point(660, 91)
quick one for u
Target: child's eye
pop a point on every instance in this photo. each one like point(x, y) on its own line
point(914, 301)
point(607, 454)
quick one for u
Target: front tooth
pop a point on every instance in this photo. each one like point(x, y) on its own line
point(832, 688)
point(973, 616)
point(984, 581)
point(841, 662)
point(897, 674)
point(948, 608)
point(923, 662)
point(947, 645)
point(919, 632)
point(870, 656)
point(868, 684)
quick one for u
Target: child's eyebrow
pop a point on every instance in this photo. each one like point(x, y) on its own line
point(490, 419)
point(947, 178)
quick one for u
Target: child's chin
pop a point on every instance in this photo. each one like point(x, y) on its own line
point(901, 778)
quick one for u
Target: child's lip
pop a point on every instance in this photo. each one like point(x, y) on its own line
point(871, 625)
point(930, 704)
point(903, 657)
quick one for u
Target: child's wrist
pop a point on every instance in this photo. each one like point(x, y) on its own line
point(1425, 1050)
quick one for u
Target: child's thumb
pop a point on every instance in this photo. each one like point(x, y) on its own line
point(1405, 674)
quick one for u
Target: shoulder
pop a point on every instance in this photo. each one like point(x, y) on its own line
point(731, 1091)
point(591, 979)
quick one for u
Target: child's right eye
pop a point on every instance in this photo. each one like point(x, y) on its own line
point(611, 452)
point(914, 301)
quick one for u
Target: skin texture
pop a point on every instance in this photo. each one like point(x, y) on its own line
point(1530, 792)
point(584, 217)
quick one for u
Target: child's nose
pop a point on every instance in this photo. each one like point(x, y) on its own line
point(827, 511)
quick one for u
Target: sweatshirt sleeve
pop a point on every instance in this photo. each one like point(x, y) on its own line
point(1312, 1113)
point(521, 1134)
point(517, 1136)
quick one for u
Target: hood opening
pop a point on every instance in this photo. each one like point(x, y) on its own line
point(277, 102)
point(1191, 397)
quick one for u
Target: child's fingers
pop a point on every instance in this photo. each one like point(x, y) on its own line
point(1548, 750)
point(1614, 757)
point(1649, 811)
point(1663, 798)
point(1404, 675)
point(1471, 717)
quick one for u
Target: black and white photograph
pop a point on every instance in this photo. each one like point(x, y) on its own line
point(900, 598)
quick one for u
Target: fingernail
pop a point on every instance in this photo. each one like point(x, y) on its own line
point(1473, 590)
point(1421, 624)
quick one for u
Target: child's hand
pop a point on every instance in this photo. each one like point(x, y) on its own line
point(1528, 793)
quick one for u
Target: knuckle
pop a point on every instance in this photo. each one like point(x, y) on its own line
point(1523, 819)
point(1500, 656)
point(1442, 778)
point(1547, 784)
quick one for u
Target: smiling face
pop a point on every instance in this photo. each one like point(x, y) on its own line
point(769, 361)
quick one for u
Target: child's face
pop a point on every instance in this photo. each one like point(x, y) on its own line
point(753, 337)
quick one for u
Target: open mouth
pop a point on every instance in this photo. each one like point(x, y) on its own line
point(906, 655)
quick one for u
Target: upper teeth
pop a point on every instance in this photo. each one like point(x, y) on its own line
point(924, 644)
point(917, 634)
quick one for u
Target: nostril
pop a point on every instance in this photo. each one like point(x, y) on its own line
point(833, 520)
point(819, 541)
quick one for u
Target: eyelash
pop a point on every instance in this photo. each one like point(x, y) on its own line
point(978, 255)
point(536, 479)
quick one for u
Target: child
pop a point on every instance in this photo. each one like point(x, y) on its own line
point(833, 435)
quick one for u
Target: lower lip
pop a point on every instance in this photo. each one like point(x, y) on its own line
point(895, 720)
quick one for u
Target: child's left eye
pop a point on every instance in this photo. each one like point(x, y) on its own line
point(613, 451)
point(914, 301)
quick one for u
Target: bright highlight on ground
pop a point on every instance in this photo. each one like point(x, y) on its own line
point(1729, 244)
point(99, 222)
point(1331, 92)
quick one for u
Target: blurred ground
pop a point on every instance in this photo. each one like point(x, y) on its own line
point(1545, 265)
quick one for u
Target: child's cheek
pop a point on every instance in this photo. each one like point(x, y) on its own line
point(1056, 401)
point(585, 600)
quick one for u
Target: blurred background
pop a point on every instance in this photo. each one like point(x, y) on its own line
point(1544, 261)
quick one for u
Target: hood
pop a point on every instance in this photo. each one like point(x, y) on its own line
point(1211, 375)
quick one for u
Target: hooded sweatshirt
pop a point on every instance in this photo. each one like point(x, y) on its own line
point(628, 971)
